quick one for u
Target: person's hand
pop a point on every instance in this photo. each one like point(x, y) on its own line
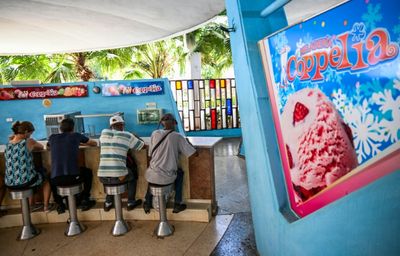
point(122, 178)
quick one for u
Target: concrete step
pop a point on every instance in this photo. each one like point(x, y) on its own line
point(196, 211)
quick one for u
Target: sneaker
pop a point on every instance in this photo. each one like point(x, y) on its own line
point(146, 207)
point(107, 206)
point(179, 208)
point(133, 205)
point(87, 204)
point(61, 208)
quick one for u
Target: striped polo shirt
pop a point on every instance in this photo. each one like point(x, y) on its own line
point(114, 146)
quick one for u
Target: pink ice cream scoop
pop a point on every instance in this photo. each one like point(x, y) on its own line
point(319, 144)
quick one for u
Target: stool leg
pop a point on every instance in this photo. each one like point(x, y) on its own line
point(120, 225)
point(164, 228)
point(28, 230)
point(74, 227)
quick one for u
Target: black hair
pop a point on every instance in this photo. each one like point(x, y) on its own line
point(67, 125)
point(22, 127)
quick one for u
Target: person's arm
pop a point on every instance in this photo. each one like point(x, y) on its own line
point(85, 141)
point(33, 145)
point(196, 154)
point(186, 147)
point(136, 143)
point(91, 143)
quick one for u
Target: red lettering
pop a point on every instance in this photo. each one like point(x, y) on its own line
point(345, 58)
point(360, 64)
point(307, 68)
point(300, 67)
point(334, 56)
point(382, 50)
point(289, 76)
point(318, 56)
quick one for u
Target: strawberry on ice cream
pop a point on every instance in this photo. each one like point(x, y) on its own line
point(319, 144)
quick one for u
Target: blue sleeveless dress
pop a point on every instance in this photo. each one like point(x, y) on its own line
point(20, 170)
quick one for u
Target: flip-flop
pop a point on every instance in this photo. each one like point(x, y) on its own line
point(49, 208)
point(36, 207)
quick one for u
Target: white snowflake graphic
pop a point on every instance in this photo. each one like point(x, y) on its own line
point(386, 102)
point(339, 99)
point(366, 132)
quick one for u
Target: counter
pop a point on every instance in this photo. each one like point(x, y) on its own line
point(199, 178)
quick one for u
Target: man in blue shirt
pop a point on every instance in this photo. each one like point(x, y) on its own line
point(65, 171)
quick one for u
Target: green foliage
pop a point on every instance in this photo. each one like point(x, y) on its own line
point(214, 45)
point(34, 67)
point(154, 60)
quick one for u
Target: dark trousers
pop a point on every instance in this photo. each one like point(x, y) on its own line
point(85, 176)
point(132, 178)
point(178, 189)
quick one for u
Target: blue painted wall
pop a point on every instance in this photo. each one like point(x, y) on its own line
point(226, 133)
point(365, 222)
point(32, 110)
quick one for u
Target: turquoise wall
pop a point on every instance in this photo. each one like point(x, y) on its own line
point(32, 110)
point(226, 133)
point(365, 222)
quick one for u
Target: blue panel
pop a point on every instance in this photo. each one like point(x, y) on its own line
point(190, 84)
point(229, 107)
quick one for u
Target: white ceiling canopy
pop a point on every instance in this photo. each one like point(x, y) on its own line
point(59, 26)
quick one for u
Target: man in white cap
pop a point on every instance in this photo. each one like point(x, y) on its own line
point(114, 146)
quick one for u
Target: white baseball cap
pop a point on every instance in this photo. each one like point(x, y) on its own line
point(116, 119)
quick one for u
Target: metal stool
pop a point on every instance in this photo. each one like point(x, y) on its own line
point(161, 192)
point(28, 230)
point(120, 226)
point(74, 227)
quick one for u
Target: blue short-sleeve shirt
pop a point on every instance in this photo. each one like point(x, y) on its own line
point(64, 148)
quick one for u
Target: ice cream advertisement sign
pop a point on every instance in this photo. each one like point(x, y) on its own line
point(137, 88)
point(334, 82)
point(42, 92)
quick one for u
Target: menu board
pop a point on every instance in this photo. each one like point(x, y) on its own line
point(134, 88)
point(41, 92)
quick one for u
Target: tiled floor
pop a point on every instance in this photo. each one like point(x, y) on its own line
point(229, 233)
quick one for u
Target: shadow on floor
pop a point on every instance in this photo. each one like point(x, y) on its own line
point(232, 196)
point(239, 238)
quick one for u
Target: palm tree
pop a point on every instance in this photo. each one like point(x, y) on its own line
point(155, 60)
point(213, 42)
point(35, 67)
point(108, 64)
point(62, 69)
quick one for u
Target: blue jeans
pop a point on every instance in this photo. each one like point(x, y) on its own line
point(132, 183)
point(178, 190)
